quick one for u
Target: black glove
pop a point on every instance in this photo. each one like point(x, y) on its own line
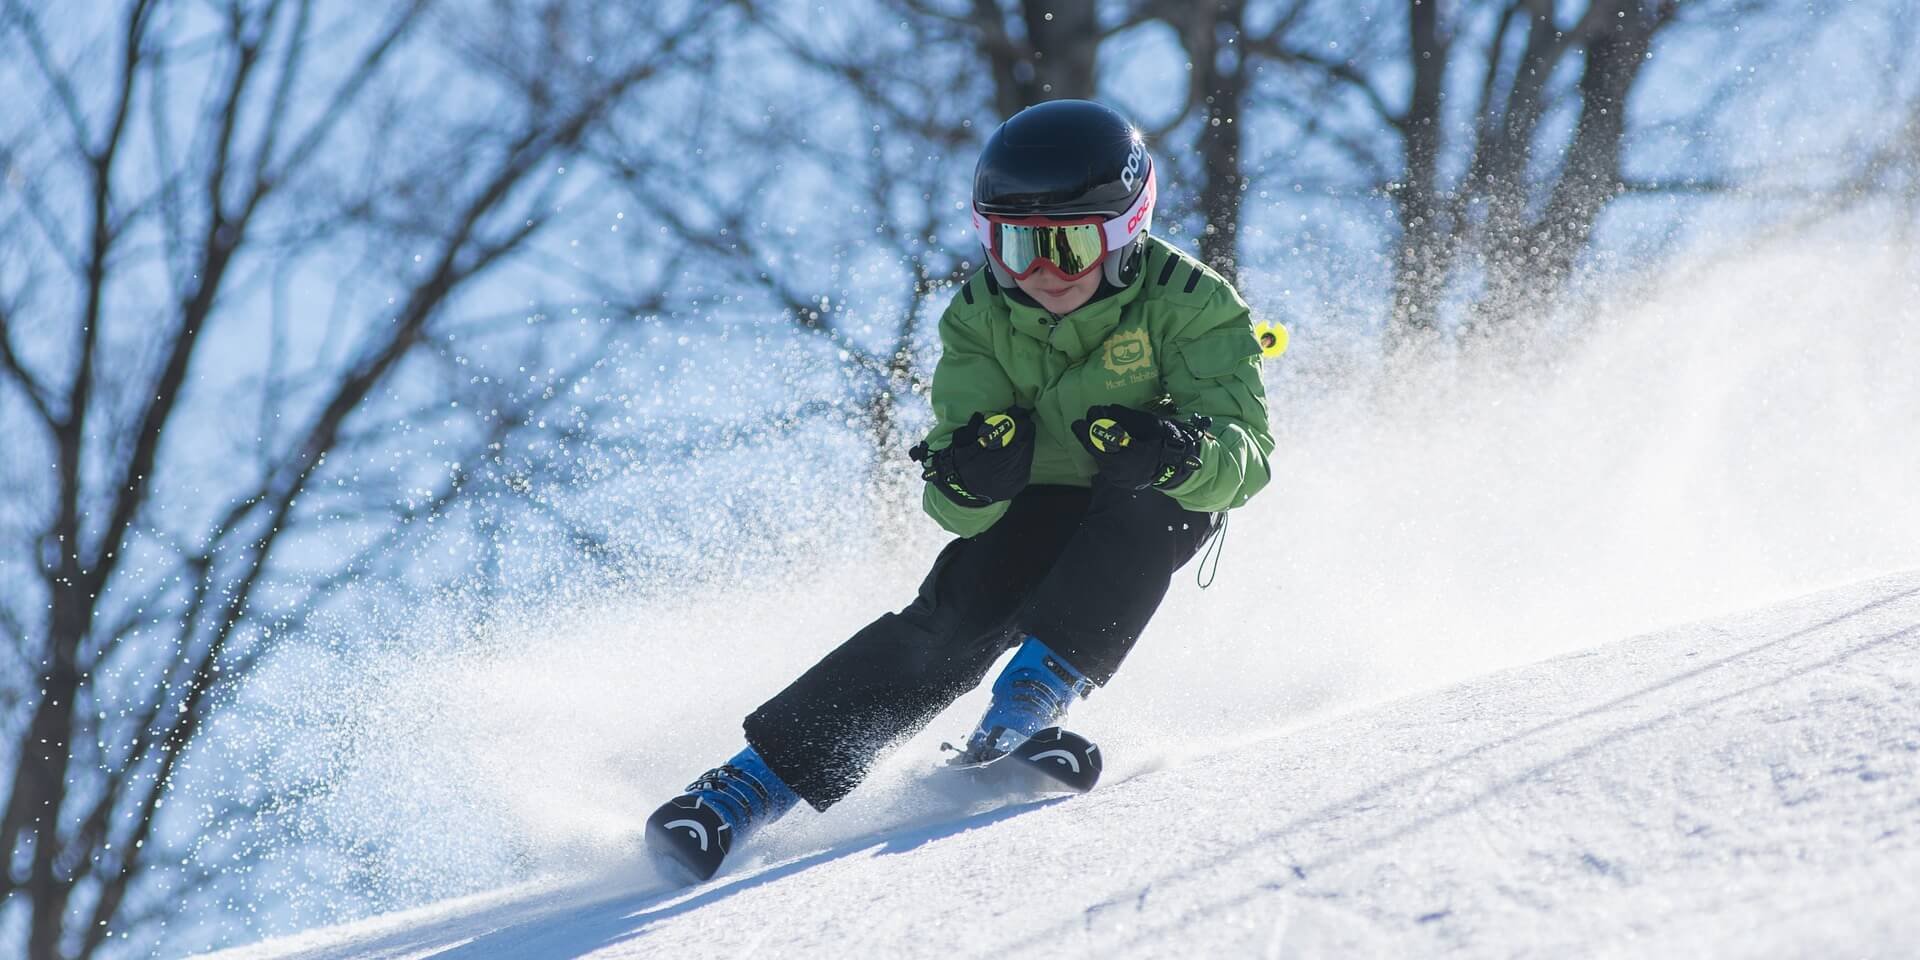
point(1136, 450)
point(990, 458)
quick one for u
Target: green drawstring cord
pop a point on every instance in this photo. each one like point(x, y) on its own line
point(1215, 545)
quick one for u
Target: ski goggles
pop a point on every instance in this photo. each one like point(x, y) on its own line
point(1070, 247)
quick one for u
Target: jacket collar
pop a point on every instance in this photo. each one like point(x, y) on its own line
point(1078, 333)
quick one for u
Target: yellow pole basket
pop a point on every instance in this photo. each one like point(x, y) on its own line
point(1272, 337)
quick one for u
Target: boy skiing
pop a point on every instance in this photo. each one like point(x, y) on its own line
point(1099, 407)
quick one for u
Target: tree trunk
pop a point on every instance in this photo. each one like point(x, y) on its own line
point(1592, 176)
point(1059, 59)
point(1219, 67)
point(1065, 35)
point(1529, 262)
point(41, 790)
point(1420, 255)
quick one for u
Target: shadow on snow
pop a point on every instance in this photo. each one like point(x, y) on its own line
point(564, 927)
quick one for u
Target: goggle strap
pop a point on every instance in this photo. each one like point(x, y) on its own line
point(1138, 219)
point(1117, 231)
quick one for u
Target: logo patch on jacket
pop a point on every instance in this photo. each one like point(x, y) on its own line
point(1129, 357)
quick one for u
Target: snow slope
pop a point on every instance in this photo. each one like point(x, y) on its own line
point(1748, 786)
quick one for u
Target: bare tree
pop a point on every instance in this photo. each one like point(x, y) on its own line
point(1219, 78)
point(187, 181)
point(1499, 196)
point(838, 228)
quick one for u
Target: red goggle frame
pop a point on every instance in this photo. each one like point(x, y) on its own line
point(1068, 247)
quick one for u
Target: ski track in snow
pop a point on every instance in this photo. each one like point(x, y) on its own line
point(1747, 786)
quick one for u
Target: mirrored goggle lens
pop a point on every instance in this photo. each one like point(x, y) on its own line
point(1074, 248)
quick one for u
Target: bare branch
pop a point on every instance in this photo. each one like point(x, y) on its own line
point(167, 194)
point(740, 255)
point(1695, 185)
point(10, 364)
point(1269, 45)
point(44, 218)
point(221, 239)
point(56, 78)
point(362, 74)
point(84, 807)
point(290, 66)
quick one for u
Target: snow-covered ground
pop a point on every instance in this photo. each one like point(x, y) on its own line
point(1746, 786)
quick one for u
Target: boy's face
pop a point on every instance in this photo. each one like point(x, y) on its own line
point(1057, 296)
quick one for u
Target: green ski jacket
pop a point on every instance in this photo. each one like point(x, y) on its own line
point(1178, 332)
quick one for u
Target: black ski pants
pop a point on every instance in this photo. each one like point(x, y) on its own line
point(1081, 569)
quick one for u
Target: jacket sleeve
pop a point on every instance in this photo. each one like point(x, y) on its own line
point(967, 379)
point(1215, 371)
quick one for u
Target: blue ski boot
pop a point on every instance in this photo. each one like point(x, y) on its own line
point(1031, 695)
point(721, 809)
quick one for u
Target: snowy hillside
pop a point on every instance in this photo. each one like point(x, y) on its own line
point(1748, 786)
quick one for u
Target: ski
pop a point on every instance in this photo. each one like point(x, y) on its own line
point(1047, 762)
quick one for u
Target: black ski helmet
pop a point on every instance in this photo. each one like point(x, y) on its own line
point(1068, 158)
